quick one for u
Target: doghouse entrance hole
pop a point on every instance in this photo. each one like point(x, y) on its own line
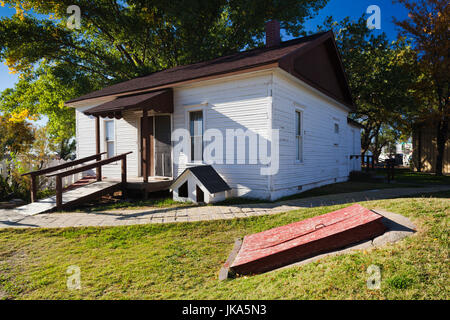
point(200, 195)
point(183, 190)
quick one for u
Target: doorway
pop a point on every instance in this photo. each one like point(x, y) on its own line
point(159, 135)
point(200, 195)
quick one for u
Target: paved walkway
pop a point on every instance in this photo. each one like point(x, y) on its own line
point(11, 219)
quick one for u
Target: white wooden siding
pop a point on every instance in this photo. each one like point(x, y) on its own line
point(126, 139)
point(325, 153)
point(239, 102)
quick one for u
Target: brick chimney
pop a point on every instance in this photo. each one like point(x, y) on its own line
point(273, 38)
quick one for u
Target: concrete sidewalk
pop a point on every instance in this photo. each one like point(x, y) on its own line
point(11, 219)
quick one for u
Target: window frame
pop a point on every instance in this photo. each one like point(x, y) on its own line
point(191, 154)
point(299, 136)
point(105, 137)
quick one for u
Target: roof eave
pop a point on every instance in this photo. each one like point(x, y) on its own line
point(256, 67)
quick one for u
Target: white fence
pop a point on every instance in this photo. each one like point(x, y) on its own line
point(66, 181)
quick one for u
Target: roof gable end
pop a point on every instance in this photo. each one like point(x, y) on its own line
point(319, 65)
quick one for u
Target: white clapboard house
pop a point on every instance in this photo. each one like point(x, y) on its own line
point(292, 95)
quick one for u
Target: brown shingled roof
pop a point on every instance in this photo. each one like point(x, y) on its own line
point(238, 61)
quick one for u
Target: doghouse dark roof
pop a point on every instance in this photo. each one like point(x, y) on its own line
point(331, 82)
point(209, 177)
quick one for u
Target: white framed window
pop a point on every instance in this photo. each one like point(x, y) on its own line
point(196, 128)
point(336, 128)
point(299, 135)
point(110, 138)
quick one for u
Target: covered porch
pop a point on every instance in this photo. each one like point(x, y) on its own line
point(152, 112)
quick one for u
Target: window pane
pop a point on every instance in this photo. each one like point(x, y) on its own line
point(196, 130)
point(110, 149)
point(197, 148)
point(299, 146)
point(109, 130)
point(298, 123)
point(196, 123)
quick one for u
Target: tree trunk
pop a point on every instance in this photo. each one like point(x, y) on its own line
point(419, 151)
point(442, 129)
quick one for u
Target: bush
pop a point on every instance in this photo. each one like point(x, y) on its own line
point(5, 189)
point(18, 188)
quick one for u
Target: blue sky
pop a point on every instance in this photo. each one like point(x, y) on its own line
point(339, 9)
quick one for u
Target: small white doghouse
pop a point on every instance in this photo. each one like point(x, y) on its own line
point(200, 184)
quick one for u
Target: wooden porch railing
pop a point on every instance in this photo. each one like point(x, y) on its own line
point(367, 160)
point(98, 164)
point(37, 173)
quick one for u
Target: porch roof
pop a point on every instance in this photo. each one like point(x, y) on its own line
point(158, 101)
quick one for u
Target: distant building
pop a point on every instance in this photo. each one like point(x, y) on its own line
point(401, 151)
point(425, 149)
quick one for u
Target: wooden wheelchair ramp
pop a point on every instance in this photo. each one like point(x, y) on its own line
point(78, 193)
point(71, 198)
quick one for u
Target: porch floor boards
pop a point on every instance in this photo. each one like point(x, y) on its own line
point(154, 184)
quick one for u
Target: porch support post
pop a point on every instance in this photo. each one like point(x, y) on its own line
point(58, 192)
point(146, 146)
point(124, 176)
point(97, 146)
point(33, 188)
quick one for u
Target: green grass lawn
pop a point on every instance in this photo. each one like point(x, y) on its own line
point(165, 202)
point(181, 261)
point(408, 176)
point(335, 188)
point(346, 187)
point(404, 179)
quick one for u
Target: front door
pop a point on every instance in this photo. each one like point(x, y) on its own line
point(159, 131)
point(163, 152)
point(150, 137)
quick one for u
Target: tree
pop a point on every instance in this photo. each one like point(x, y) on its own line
point(16, 134)
point(16, 137)
point(120, 40)
point(43, 93)
point(381, 76)
point(386, 138)
point(428, 25)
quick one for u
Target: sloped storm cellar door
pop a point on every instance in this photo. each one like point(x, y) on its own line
point(274, 248)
